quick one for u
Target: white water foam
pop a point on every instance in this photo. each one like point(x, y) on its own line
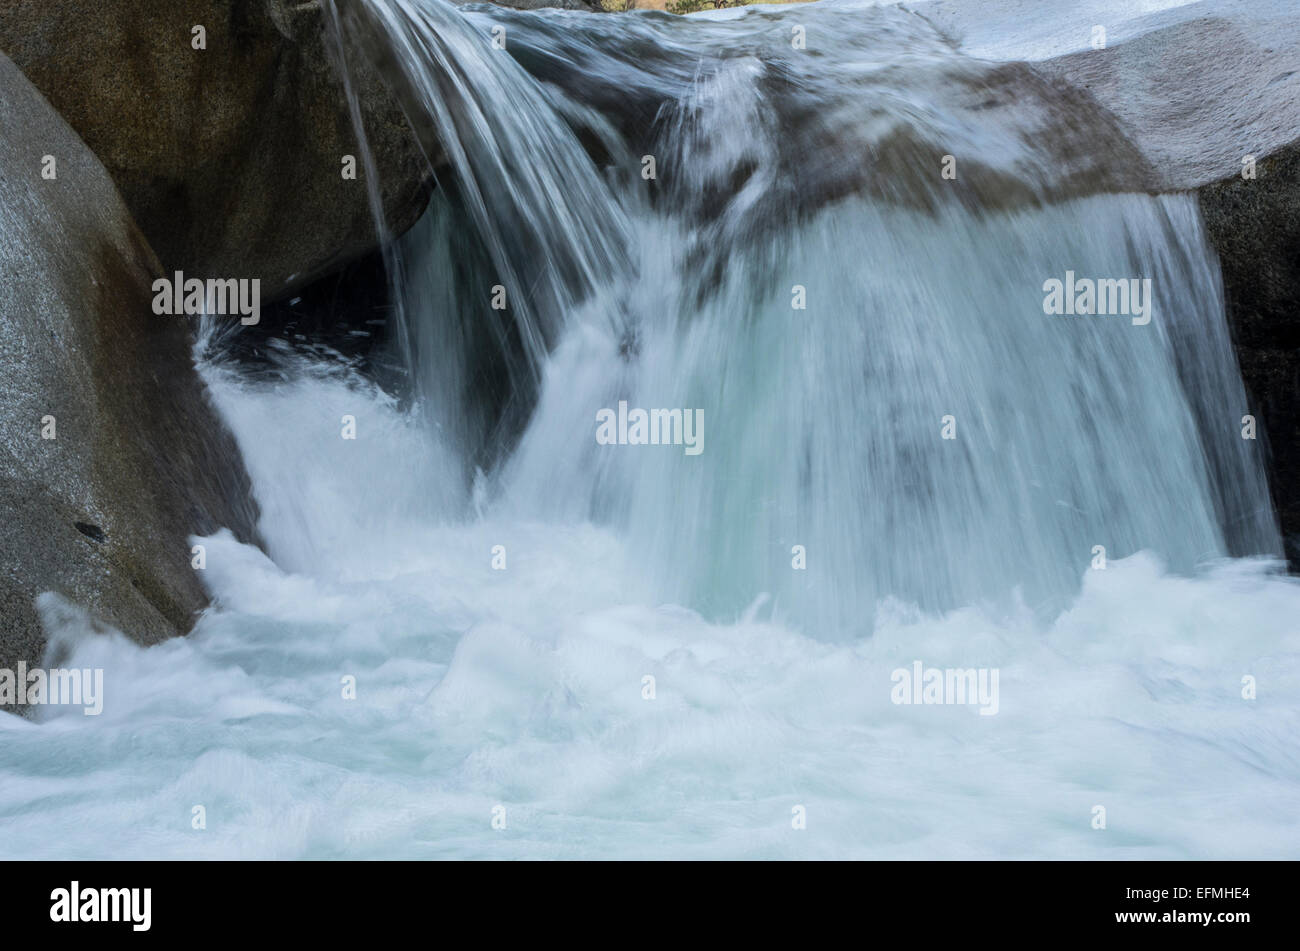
point(523, 688)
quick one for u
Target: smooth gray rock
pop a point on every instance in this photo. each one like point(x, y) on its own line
point(1208, 84)
point(101, 513)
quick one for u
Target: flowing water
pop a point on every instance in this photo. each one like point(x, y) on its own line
point(501, 585)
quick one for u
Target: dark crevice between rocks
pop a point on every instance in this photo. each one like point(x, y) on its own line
point(348, 315)
point(350, 318)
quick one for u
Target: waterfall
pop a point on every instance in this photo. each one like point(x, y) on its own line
point(796, 267)
point(483, 626)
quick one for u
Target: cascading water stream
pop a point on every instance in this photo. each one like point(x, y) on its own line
point(797, 269)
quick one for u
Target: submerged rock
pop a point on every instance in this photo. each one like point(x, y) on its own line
point(230, 157)
point(110, 456)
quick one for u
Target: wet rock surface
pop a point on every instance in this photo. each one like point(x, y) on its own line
point(110, 455)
